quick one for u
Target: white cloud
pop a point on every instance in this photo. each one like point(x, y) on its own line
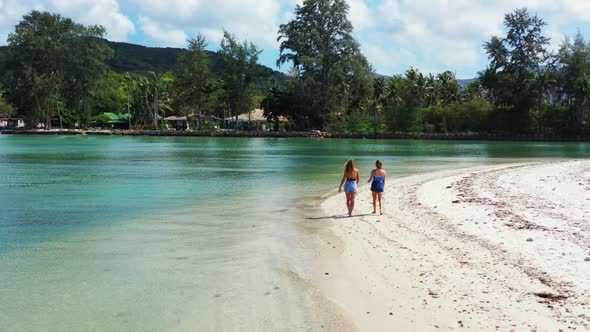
point(254, 20)
point(102, 12)
point(432, 35)
point(444, 34)
point(360, 15)
point(376, 53)
point(212, 35)
point(164, 35)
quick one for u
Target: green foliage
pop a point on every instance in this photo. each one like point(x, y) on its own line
point(434, 103)
point(147, 98)
point(193, 87)
point(357, 123)
point(239, 61)
point(403, 96)
point(326, 59)
point(515, 59)
point(53, 60)
point(282, 102)
point(5, 108)
point(84, 68)
point(569, 83)
point(100, 120)
point(139, 59)
point(69, 118)
point(446, 88)
point(109, 94)
point(56, 68)
point(470, 116)
point(155, 89)
point(473, 91)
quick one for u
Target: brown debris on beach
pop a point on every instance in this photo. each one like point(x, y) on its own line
point(453, 248)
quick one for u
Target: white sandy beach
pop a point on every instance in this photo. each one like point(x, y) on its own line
point(488, 248)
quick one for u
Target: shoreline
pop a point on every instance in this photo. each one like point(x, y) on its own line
point(464, 249)
point(307, 134)
point(183, 292)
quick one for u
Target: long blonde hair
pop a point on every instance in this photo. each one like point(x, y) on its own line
point(349, 168)
point(379, 164)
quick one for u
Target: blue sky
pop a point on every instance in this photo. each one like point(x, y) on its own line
point(431, 35)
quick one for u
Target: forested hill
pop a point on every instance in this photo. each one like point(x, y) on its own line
point(140, 59)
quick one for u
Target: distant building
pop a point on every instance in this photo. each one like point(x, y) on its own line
point(8, 122)
point(253, 120)
point(176, 122)
point(181, 122)
point(112, 120)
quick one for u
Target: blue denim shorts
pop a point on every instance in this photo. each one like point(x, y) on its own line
point(350, 187)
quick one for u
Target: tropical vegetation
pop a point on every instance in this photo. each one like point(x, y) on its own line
point(55, 70)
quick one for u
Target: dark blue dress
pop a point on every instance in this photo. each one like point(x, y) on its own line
point(377, 185)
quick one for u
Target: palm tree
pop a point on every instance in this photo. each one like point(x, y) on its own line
point(417, 86)
point(155, 83)
point(393, 91)
point(130, 87)
point(155, 95)
point(432, 90)
point(449, 88)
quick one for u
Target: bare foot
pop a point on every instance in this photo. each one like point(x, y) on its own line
point(374, 212)
point(381, 212)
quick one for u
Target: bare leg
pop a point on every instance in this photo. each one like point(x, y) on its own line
point(349, 203)
point(374, 202)
point(380, 197)
point(352, 197)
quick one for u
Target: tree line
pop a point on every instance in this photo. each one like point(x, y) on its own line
point(55, 69)
point(524, 89)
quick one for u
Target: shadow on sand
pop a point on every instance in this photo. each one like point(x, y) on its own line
point(343, 216)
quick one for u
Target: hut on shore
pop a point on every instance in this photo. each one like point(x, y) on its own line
point(8, 122)
point(198, 121)
point(253, 120)
point(112, 120)
point(176, 122)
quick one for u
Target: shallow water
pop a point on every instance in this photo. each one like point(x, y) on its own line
point(142, 233)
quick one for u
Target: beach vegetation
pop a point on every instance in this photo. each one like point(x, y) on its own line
point(237, 77)
point(53, 61)
point(61, 73)
point(518, 61)
point(193, 85)
point(330, 73)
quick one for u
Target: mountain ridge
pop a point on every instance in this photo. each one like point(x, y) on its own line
point(135, 58)
point(138, 59)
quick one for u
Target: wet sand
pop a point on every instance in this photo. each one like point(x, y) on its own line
point(487, 248)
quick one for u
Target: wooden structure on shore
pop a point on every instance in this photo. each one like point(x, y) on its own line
point(253, 120)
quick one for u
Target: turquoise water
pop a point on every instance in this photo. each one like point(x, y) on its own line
point(141, 233)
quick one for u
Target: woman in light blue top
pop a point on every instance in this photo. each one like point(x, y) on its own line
point(350, 179)
point(378, 185)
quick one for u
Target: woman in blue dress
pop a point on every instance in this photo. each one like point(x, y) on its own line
point(350, 180)
point(377, 181)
